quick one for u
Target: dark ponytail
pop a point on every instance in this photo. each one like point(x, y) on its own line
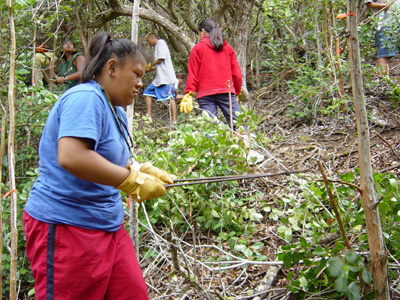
point(101, 47)
point(216, 35)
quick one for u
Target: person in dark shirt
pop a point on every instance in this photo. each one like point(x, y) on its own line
point(70, 70)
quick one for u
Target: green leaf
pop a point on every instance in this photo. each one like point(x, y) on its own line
point(215, 214)
point(384, 207)
point(366, 276)
point(353, 292)
point(371, 296)
point(289, 276)
point(340, 284)
point(297, 256)
point(248, 252)
point(257, 246)
point(354, 268)
point(261, 258)
point(281, 256)
point(240, 247)
point(335, 266)
point(21, 3)
point(392, 274)
point(287, 260)
point(319, 251)
point(303, 243)
point(321, 265)
point(303, 282)
point(232, 242)
point(351, 257)
point(340, 246)
point(255, 216)
point(22, 71)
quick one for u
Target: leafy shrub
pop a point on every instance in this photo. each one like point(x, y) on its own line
point(201, 148)
point(324, 263)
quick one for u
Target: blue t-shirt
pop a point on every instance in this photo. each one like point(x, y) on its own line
point(57, 196)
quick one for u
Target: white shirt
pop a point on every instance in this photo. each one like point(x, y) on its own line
point(165, 69)
point(385, 17)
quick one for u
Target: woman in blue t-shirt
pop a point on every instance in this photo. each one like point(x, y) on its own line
point(75, 241)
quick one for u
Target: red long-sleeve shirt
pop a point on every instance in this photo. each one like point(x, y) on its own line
point(210, 70)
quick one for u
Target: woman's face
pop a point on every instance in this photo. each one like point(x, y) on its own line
point(202, 33)
point(127, 81)
point(68, 46)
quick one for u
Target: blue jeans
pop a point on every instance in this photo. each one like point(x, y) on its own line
point(212, 102)
point(386, 44)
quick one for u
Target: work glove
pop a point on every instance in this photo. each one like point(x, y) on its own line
point(148, 67)
point(186, 105)
point(142, 186)
point(163, 175)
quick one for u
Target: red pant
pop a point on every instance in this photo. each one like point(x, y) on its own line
point(73, 263)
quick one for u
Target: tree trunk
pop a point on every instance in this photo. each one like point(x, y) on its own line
point(133, 207)
point(11, 159)
point(368, 195)
point(2, 145)
point(238, 35)
point(81, 30)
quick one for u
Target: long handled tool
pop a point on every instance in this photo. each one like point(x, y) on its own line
point(228, 83)
point(204, 180)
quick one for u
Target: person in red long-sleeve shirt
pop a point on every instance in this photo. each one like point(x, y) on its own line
point(213, 72)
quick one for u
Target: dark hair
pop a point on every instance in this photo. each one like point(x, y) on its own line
point(62, 56)
point(67, 40)
point(101, 47)
point(216, 35)
point(151, 34)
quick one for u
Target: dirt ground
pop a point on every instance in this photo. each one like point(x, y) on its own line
point(296, 145)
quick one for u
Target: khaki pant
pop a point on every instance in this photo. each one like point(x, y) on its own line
point(41, 70)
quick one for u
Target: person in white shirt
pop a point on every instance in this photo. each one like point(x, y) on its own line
point(387, 44)
point(164, 84)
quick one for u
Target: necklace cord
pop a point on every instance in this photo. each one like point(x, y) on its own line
point(119, 121)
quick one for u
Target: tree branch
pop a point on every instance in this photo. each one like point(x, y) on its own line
point(117, 9)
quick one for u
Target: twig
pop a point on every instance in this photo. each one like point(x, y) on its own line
point(387, 143)
point(337, 214)
point(390, 168)
point(189, 280)
point(343, 182)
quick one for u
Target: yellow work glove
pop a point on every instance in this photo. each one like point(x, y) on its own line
point(148, 67)
point(187, 103)
point(163, 175)
point(142, 186)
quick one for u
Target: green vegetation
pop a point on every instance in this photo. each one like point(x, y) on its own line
point(231, 213)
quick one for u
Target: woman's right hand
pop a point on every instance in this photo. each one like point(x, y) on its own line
point(142, 186)
point(187, 103)
point(60, 80)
